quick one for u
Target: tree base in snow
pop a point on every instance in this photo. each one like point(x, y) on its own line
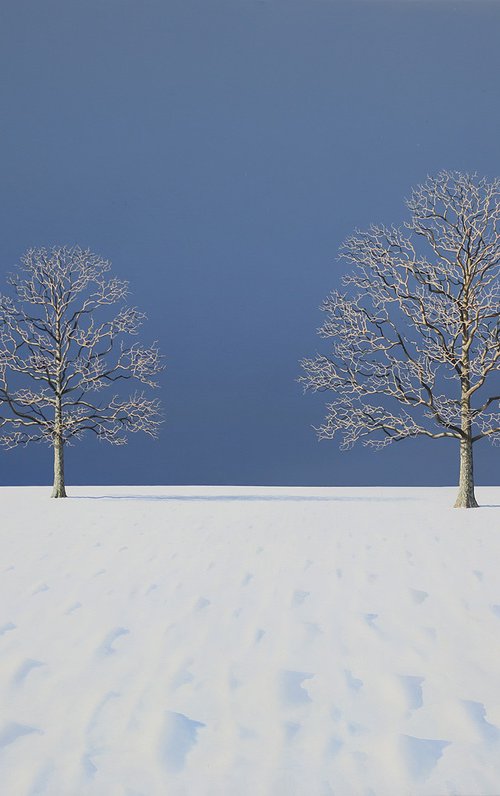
point(58, 492)
point(466, 501)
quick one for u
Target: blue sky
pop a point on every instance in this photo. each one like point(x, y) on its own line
point(218, 152)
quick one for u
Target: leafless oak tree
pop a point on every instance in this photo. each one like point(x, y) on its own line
point(62, 346)
point(415, 337)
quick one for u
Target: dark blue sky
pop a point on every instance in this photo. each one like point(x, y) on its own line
point(218, 152)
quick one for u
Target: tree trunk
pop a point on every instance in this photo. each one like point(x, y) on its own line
point(59, 489)
point(466, 498)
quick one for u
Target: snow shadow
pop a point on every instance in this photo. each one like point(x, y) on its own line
point(249, 498)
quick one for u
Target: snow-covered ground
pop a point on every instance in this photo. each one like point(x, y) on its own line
point(249, 641)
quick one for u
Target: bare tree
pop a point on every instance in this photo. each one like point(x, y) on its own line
point(62, 346)
point(418, 326)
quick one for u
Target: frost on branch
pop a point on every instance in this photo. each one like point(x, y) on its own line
point(121, 417)
point(65, 349)
point(414, 337)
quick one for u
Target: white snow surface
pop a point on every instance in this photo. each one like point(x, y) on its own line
point(240, 641)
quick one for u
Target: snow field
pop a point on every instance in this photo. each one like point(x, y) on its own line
point(199, 641)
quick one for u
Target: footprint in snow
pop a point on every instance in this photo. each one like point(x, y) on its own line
point(88, 765)
point(178, 737)
point(246, 580)
point(421, 755)
point(418, 596)
point(7, 628)
point(291, 688)
point(106, 648)
point(291, 729)
point(93, 734)
point(12, 731)
point(39, 589)
point(201, 604)
point(41, 783)
point(93, 722)
point(246, 734)
point(183, 676)
point(73, 608)
point(299, 597)
point(412, 686)
point(477, 713)
point(259, 635)
point(478, 574)
point(333, 747)
point(336, 713)
point(233, 679)
point(496, 610)
point(361, 759)
point(353, 682)
point(312, 630)
point(25, 669)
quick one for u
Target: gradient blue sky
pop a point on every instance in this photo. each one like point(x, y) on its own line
point(218, 152)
